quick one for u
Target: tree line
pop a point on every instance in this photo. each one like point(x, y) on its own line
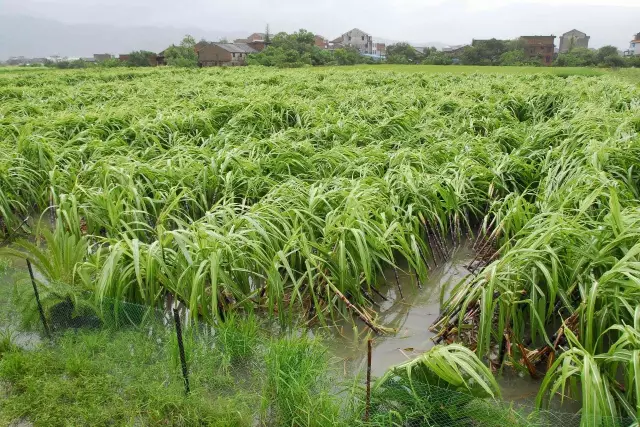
point(508, 52)
point(298, 49)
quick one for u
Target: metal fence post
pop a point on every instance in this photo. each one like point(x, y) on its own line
point(183, 360)
point(368, 402)
point(35, 291)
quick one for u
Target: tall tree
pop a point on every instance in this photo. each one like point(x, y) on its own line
point(141, 58)
point(183, 55)
point(605, 52)
point(402, 53)
point(486, 52)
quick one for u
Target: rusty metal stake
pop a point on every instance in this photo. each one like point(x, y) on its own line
point(368, 402)
point(183, 360)
point(35, 291)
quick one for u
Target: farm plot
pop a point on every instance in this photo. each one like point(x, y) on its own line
point(291, 193)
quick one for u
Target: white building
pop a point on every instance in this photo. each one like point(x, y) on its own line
point(355, 38)
point(634, 46)
point(573, 39)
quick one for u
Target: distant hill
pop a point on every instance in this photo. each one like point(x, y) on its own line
point(35, 37)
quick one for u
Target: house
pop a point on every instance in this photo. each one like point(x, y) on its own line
point(153, 59)
point(257, 41)
point(224, 54)
point(355, 38)
point(200, 45)
point(321, 42)
point(101, 57)
point(258, 45)
point(542, 47)
point(161, 58)
point(379, 50)
point(634, 46)
point(573, 38)
point(454, 50)
point(255, 37)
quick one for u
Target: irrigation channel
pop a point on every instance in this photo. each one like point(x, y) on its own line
point(411, 316)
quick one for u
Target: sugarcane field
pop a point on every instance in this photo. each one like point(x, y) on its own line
point(220, 246)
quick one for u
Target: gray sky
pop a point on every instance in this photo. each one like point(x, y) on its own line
point(448, 21)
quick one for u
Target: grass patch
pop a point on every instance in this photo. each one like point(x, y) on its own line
point(297, 391)
point(132, 377)
point(102, 378)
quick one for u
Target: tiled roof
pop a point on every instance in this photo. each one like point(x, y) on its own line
point(236, 47)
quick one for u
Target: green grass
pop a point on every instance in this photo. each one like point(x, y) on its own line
point(131, 377)
point(109, 379)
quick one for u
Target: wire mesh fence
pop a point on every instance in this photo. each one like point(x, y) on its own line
point(249, 380)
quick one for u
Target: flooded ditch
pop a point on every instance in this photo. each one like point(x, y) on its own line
point(412, 316)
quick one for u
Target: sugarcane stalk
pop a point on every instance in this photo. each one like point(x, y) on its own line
point(377, 329)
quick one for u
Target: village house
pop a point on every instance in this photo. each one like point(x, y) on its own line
point(101, 57)
point(634, 46)
point(454, 50)
point(258, 45)
point(224, 54)
point(542, 47)
point(200, 45)
point(257, 41)
point(355, 38)
point(572, 39)
point(255, 37)
point(379, 49)
point(161, 58)
point(153, 59)
point(321, 42)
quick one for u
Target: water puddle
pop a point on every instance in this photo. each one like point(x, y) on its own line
point(9, 318)
point(412, 316)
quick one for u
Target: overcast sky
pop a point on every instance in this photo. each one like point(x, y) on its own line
point(448, 21)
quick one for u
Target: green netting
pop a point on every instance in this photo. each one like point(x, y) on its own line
point(425, 405)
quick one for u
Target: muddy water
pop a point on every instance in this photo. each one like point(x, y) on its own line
point(9, 316)
point(412, 316)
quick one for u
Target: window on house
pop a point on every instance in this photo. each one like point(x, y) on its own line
point(362, 38)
